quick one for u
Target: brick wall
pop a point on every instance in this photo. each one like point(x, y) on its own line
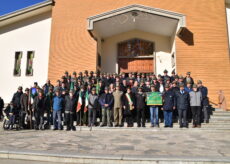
point(206, 56)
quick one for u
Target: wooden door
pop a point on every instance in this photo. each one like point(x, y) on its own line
point(145, 65)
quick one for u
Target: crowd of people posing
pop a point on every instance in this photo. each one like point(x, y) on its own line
point(103, 99)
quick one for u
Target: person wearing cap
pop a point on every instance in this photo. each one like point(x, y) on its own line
point(70, 104)
point(39, 107)
point(80, 77)
point(154, 111)
point(188, 79)
point(140, 98)
point(165, 77)
point(128, 103)
point(33, 90)
point(106, 101)
point(173, 74)
point(49, 106)
point(182, 104)
point(161, 86)
point(169, 105)
point(25, 107)
point(58, 85)
point(47, 86)
point(195, 103)
point(92, 107)
point(58, 104)
point(118, 115)
point(205, 101)
point(16, 100)
point(81, 112)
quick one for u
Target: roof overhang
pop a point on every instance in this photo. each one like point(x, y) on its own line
point(26, 12)
point(136, 17)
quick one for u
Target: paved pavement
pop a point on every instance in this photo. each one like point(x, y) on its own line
point(158, 143)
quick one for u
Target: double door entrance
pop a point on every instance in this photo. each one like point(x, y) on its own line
point(136, 55)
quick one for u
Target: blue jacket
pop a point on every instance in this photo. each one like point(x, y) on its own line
point(58, 102)
point(106, 99)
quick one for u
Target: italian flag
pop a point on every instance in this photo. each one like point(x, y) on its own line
point(79, 104)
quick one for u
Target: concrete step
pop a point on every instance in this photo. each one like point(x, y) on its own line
point(221, 113)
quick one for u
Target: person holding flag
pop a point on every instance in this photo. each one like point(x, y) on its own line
point(82, 106)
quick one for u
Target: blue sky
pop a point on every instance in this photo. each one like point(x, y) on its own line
point(8, 6)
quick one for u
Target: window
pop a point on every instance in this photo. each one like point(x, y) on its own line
point(29, 64)
point(17, 64)
point(135, 47)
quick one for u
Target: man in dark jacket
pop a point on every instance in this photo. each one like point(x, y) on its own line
point(16, 103)
point(188, 79)
point(70, 108)
point(92, 107)
point(169, 104)
point(140, 106)
point(106, 102)
point(1, 107)
point(24, 101)
point(39, 107)
point(182, 103)
point(205, 102)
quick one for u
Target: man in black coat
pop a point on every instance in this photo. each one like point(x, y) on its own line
point(24, 101)
point(39, 107)
point(70, 104)
point(169, 104)
point(182, 103)
point(140, 106)
point(205, 101)
point(16, 103)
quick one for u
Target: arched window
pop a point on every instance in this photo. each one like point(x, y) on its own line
point(135, 47)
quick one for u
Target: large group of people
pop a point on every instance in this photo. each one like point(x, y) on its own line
point(104, 99)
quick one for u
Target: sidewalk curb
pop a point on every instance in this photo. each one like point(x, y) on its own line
point(106, 159)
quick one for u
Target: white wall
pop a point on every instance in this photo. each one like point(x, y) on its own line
point(32, 34)
point(162, 48)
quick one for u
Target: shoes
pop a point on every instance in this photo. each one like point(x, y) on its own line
point(117, 125)
point(193, 126)
point(152, 125)
point(181, 126)
point(198, 126)
point(121, 125)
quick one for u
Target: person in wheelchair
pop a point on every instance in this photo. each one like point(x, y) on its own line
point(9, 116)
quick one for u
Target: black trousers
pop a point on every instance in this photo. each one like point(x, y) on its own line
point(69, 120)
point(182, 117)
point(128, 115)
point(22, 115)
point(141, 117)
point(196, 112)
point(39, 118)
point(92, 116)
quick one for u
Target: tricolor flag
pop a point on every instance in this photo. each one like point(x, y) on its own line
point(86, 101)
point(79, 104)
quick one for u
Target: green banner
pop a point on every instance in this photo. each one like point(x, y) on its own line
point(154, 98)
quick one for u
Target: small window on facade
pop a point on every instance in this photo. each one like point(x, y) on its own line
point(29, 64)
point(17, 64)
